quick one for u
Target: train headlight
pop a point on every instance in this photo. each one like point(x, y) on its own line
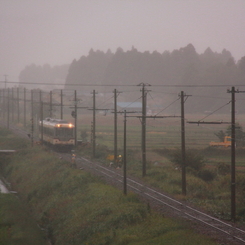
point(70, 125)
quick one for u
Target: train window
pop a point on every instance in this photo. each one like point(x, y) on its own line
point(64, 132)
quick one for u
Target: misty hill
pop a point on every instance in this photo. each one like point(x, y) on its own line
point(40, 75)
point(179, 67)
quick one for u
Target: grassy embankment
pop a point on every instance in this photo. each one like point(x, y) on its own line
point(77, 208)
point(208, 188)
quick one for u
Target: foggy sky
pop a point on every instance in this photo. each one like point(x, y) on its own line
point(58, 31)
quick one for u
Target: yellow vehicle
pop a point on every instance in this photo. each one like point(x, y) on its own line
point(111, 159)
point(225, 143)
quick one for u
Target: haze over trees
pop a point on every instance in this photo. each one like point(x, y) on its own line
point(181, 67)
point(34, 74)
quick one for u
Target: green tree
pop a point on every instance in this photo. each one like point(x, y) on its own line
point(221, 135)
point(240, 135)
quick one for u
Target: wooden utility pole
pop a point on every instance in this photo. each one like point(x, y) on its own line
point(183, 143)
point(61, 104)
point(25, 107)
point(93, 129)
point(18, 104)
point(12, 104)
point(233, 154)
point(115, 126)
point(32, 118)
point(143, 122)
point(125, 154)
point(50, 105)
point(75, 115)
point(8, 108)
point(4, 103)
point(41, 121)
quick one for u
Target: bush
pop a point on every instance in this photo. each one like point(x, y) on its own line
point(223, 168)
point(193, 159)
point(206, 175)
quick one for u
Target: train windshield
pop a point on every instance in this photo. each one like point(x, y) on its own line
point(64, 132)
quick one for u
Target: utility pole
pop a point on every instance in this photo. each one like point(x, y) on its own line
point(183, 152)
point(143, 122)
point(32, 118)
point(183, 143)
point(61, 104)
point(8, 109)
point(125, 155)
point(93, 129)
point(41, 120)
point(25, 107)
point(12, 104)
point(4, 104)
point(233, 153)
point(40, 103)
point(75, 116)
point(50, 105)
point(18, 104)
point(115, 125)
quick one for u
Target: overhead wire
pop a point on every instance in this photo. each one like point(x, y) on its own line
point(167, 106)
point(131, 85)
point(215, 111)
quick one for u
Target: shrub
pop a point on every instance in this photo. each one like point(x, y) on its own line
point(206, 175)
point(193, 159)
point(223, 168)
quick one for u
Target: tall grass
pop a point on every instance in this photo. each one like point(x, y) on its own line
point(74, 207)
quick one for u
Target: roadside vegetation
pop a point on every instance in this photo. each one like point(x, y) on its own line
point(74, 207)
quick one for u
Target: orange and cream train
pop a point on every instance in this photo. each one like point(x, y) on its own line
point(57, 133)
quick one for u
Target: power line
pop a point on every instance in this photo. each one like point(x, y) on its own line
point(167, 107)
point(130, 85)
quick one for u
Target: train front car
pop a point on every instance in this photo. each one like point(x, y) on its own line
point(57, 133)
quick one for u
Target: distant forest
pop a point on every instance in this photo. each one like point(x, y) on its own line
point(181, 67)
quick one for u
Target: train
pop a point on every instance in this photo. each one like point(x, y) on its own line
point(57, 133)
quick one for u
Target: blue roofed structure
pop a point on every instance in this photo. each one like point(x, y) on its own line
point(129, 106)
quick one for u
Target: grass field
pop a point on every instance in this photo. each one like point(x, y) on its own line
point(74, 207)
point(163, 137)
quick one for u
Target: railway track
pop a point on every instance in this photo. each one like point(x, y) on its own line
point(230, 232)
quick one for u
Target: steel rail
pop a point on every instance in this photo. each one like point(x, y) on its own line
point(184, 209)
